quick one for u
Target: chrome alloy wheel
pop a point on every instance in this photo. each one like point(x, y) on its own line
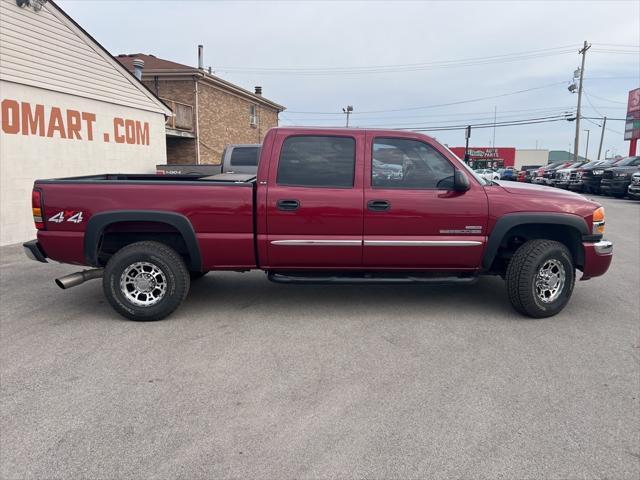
point(143, 284)
point(550, 280)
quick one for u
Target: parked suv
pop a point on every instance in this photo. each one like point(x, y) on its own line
point(634, 189)
point(616, 180)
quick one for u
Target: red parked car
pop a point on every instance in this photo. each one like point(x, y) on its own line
point(327, 206)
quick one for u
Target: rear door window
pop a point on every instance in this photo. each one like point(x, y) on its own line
point(317, 161)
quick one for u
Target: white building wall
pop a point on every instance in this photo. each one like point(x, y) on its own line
point(50, 148)
point(531, 157)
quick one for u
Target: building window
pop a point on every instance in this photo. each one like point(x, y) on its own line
point(253, 115)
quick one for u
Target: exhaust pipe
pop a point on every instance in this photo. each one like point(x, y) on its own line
point(77, 278)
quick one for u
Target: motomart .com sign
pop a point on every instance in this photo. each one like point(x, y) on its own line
point(25, 118)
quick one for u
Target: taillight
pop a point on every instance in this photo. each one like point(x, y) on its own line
point(36, 208)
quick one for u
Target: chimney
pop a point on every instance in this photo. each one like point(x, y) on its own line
point(200, 62)
point(258, 90)
point(138, 65)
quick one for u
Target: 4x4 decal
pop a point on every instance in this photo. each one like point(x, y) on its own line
point(73, 216)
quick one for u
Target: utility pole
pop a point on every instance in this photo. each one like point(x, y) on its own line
point(467, 135)
point(348, 110)
point(576, 145)
point(586, 150)
point(604, 123)
point(495, 113)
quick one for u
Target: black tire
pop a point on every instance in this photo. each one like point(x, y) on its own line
point(197, 275)
point(153, 255)
point(522, 273)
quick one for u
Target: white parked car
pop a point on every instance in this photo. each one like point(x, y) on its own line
point(488, 174)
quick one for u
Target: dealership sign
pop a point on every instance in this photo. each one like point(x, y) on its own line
point(26, 118)
point(632, 125)
point(490, 157)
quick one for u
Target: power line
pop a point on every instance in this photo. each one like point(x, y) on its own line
point(395, 68)
point(490, 125)
point(438, 115)
point(460, 102)
point(607, 100)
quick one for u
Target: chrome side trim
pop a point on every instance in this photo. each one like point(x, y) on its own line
point(421, 243)
point(603, 247)
point(321, 243)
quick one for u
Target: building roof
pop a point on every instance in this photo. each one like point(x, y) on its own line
point(159, 66)
point(54, 9)
point(563, 156)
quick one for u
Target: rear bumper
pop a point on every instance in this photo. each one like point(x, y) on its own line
point(34, 251)
point(597, 258)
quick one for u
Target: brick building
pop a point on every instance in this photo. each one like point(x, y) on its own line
point(210, 113)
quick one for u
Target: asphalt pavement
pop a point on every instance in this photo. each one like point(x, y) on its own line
point(250, 379)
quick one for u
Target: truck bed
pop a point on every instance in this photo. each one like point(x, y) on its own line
point(220, 209)
point(222, 178)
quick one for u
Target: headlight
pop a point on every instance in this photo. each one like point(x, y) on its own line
point(598, 221)
point(598, 172)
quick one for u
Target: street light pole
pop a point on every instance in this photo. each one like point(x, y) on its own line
point(604, 124)
point(348, 111)
point(586, 150)
point(576, 145)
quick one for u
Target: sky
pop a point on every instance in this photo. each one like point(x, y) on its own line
point(403, 64)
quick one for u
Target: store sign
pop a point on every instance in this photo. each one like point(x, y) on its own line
point(25, 118)
point(488, 157)
point(632, 125)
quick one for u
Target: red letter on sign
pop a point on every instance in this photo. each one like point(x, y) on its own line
point(89, 118)
point(32, 123)
point(55, 123)
point(142, 133)
point(73, 124)
point(10, 116)
point(117, 123)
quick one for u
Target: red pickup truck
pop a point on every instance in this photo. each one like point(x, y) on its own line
point(327, 206)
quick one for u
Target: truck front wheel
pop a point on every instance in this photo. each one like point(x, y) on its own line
point(145, 281)
point(540, 278)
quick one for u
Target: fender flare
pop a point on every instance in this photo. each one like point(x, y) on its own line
point(511, 220)
point(100, 221)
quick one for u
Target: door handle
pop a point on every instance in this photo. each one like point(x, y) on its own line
point(378, 205)
point(288, 204)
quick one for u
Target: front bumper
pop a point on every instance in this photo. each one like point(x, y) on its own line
point(576, 185)
point(634, 191)
point(614, 186)
point(592, 184)
point(34, 251)
point(597, 258)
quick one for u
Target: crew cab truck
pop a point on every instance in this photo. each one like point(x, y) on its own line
point(319, 211)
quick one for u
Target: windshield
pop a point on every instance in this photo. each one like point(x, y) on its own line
point(629, 161)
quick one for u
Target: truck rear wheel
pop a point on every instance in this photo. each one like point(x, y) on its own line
point(540, 278)
point(145, 281)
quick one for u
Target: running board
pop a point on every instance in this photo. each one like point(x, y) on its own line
point(369, 278)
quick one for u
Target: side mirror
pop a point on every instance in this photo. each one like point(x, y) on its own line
point(460, 182)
